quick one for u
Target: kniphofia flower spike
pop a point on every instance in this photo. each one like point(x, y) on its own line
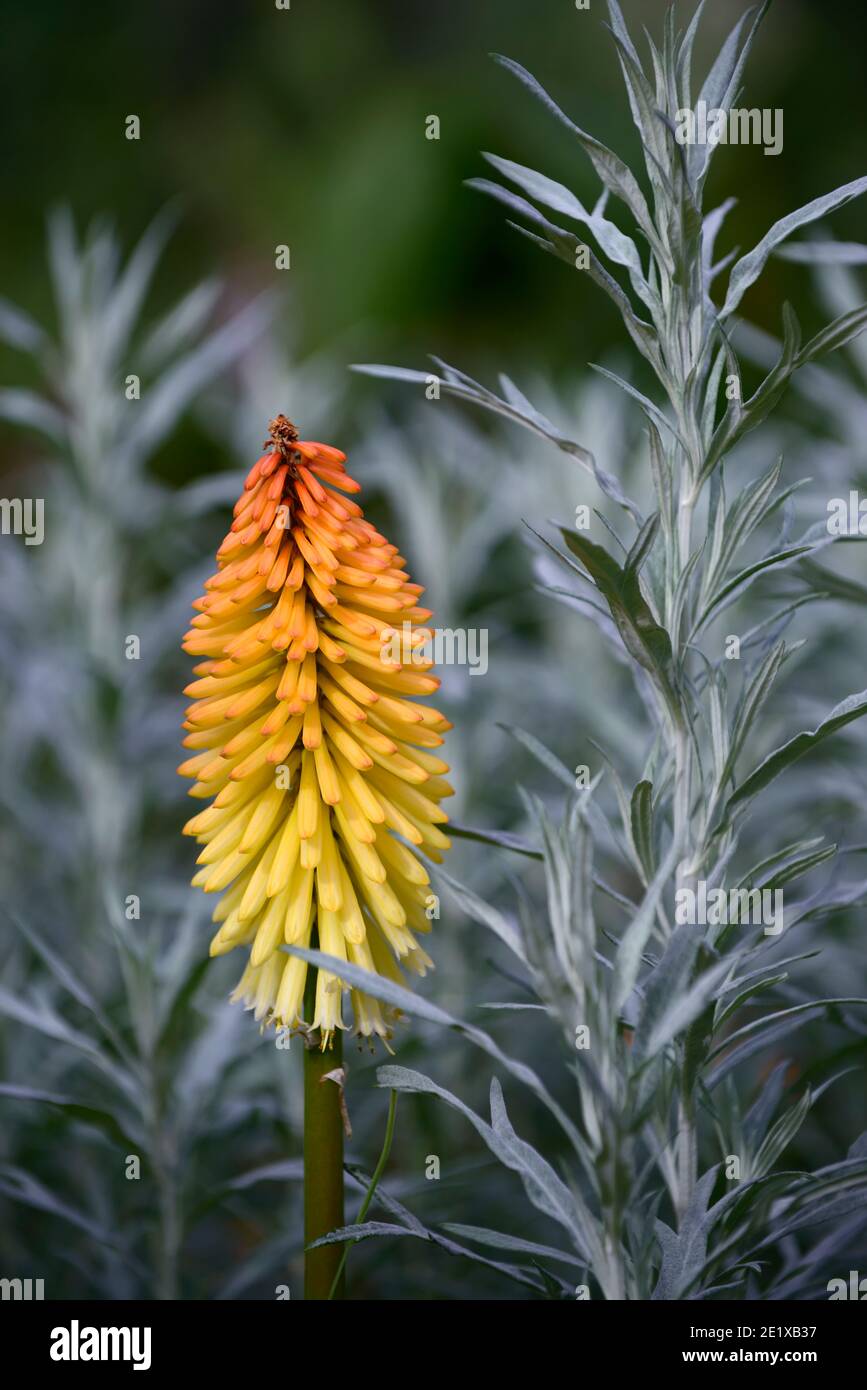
point(305, 732)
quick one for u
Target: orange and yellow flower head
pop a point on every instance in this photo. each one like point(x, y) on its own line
point(308, 741)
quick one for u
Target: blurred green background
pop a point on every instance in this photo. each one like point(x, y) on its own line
point(307, 127)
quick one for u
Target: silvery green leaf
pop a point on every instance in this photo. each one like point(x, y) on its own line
point(123, 1129)
point(66, 268)
point(169, 396)
point(781, 1135)
point(778, 857)
point(662, 479)
point(684, 1251)
point(845, 713)
point(753, 506)
point(181, 326)
point(770, 629)
point(642, 546)
point(22, 407)
point(19, 330)
point(761, 1033)
point(578, 603)
point(837, 334)
point(603, 521)
point(729, 1008)
point(825, 903)
point(653, 411)
point(719, 78)
point(543, 755)
point(618, 26)
point(617, 246)
point(454, 383)
point(710, 230)
point(616, 175)
point(407, 374)
point(641, 826)
point(724, 357)
point(798, 867)
point(127, 294)
point(821, 1205)
point(718, 526)
point(566, 246)
point(569, 882)
point(717, 719)
point(721, 86)
point(483, 913)
point(546, 1191)
point(838, 586)
point(826, 389)
point(385, 1199)
point(505, 1007)
point(19, 1186)
point(368, 1229)
point(217, 490)
point(724, 263)
point(645, 639)
point(755, 695)
point(740, 419)
point(65, 976)
point(285, 1170)
point(390, 993)
point(735, 587)
point(758, 1117)
point(809, 1282)
point(504, 838)
point(364, 1231)
point(51, 1025)
point(663, 95)
point(570, 564)
point(859, 1148)
point(749, 267)
point(685, 1007)
point(824, 253)
point(499, 1240)
point(454, 374)
point(642, 101)
point(515, 397)
point(684, 56)
point(630, 951)
point(664, 983)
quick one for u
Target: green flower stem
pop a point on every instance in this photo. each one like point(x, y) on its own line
point(323, 1160)
point(374, 1182)
point(687, 1157)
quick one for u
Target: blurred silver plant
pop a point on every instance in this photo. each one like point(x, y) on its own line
point(107, 1027)
point(114, 389)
